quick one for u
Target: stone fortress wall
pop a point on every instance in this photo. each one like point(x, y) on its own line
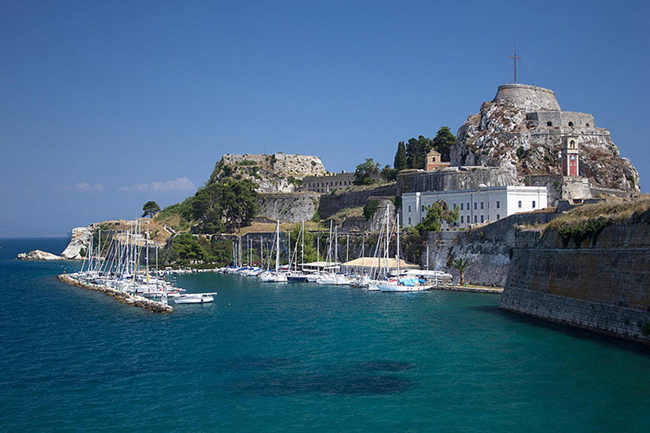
point(601, 287)
point(530, 98)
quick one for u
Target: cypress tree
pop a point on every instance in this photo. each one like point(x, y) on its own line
point(400, 157)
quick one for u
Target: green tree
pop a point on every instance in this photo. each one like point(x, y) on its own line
point(370, 209)
point(437, 213)
point(310, 247)
point(461, 264)
point(389, 174)
point(224, 206)
point(400, 163)
point(363, 175)
point(416, 151)
point(150, 208)
point(443, 141)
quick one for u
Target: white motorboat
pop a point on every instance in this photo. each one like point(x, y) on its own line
point(193, 298)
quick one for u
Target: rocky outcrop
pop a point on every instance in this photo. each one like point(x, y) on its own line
point(278, 172)
point(292, 208)
point(38, 255)
point(521, 130)
point(79, 241)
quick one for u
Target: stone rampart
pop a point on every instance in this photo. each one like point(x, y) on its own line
point(530, 98)
point(454, 179)
point(330, 204)
point(603, 287)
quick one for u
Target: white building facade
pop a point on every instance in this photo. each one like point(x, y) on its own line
point(476, 206)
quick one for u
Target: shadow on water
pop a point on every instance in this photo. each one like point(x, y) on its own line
point(573, 332)
point(269, 377)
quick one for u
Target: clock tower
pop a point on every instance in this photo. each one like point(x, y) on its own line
point(570, 156)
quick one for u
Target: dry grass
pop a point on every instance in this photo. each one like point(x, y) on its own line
point(616, 210)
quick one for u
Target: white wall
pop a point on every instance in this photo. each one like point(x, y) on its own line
point(485, 205)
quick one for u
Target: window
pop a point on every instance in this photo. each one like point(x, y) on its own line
point(422, 208)
point(455, 205)
point(498, 217)
point(409, 220)
point(498, 204)
point(475, 204)
point(461, 206)
point(549, 123)
point(533, 204)
point(481, 205)
point(482, 220)
point(467, 206)
point(587, 125)
point(410, 207)
point(462, 219)
point(475, 218)
point(519, 204)
point(571, 124)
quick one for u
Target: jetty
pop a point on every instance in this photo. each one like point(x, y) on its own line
point(121, 296)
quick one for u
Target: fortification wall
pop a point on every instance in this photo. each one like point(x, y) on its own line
point(603, 287)
point(293, 208)
point(487, 248)
point(530, 98)
point(330, 204)
point(454, 178)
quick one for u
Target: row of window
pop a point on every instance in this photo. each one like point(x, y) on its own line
point(326, 184)
point(467, 218)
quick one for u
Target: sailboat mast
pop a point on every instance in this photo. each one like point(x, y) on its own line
point(277, 246)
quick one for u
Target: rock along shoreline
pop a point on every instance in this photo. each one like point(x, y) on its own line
point(137, 301)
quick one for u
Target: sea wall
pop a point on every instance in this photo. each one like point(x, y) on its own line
point(602, 286)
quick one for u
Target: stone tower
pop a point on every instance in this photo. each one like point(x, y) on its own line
point(570, 156)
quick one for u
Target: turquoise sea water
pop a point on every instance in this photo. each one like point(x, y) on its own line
point(271, 357)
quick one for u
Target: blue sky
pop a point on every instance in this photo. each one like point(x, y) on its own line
point(106, 105)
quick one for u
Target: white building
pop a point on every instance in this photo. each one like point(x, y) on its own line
point(476, 206)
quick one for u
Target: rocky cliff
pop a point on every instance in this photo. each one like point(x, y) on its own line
point(278, 172)
point(521, 130)
point(592, 272)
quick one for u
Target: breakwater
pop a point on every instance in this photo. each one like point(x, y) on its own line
point(603, 286)
point(125, 298)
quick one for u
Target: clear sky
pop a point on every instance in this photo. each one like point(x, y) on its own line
point(105, 105)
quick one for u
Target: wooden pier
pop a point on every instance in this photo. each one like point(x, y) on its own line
point(125, 298)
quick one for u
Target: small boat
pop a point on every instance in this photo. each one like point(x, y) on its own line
point(194, 298)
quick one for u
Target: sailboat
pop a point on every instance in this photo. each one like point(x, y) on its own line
point(275, 276)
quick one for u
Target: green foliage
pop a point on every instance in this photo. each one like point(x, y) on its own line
point(389, 174)
point(416, 151)
point(363, 175)
point(247, 162)
point(224, 206)
point(316, 218)
point(583, 229)
point(400, 162)
point(370, 209)
point(310, 244)
point(188, 249)
point(521, 152)
point(150, 208)
point(437, 213)
point(461, 264)
point(443, 142)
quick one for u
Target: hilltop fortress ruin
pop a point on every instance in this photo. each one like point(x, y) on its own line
point(525, 133)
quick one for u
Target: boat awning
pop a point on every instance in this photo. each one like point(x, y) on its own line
point(366, 263)
point(321, 267)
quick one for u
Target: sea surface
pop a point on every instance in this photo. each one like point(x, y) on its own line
point(299, 358)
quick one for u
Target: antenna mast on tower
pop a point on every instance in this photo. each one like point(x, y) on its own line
point(515, 58)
